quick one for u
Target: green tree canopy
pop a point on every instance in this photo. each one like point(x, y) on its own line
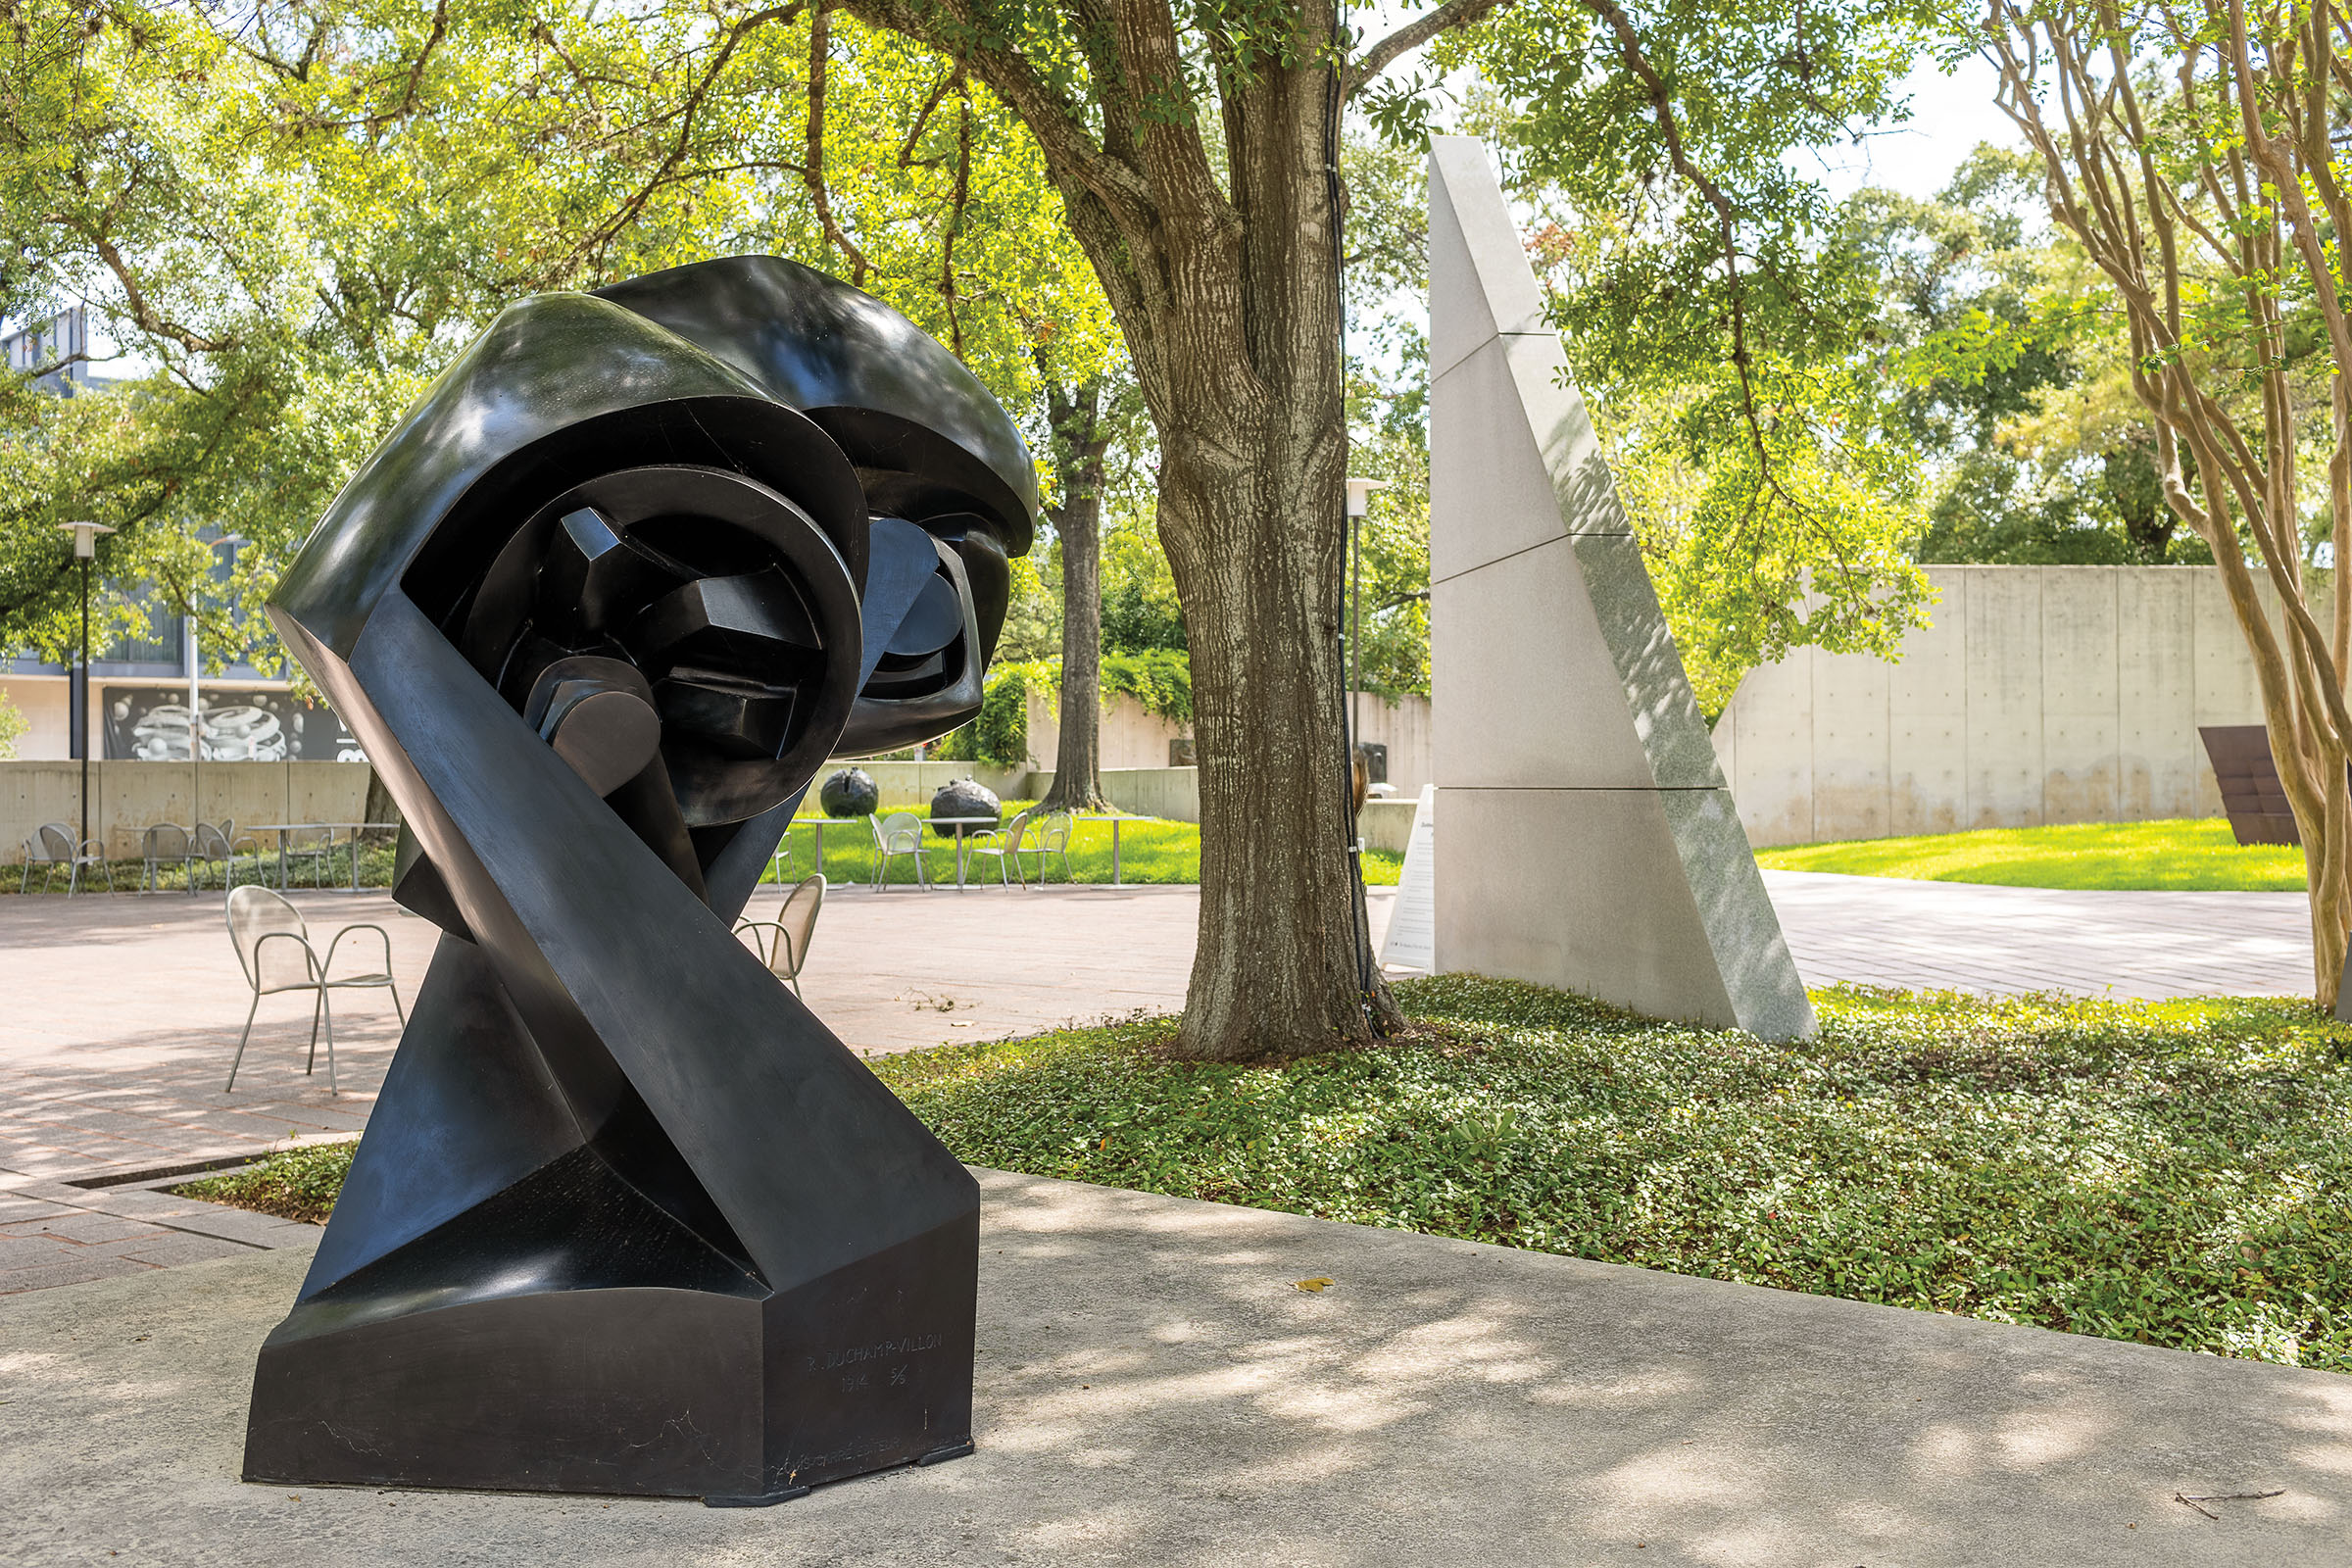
point(295, 213)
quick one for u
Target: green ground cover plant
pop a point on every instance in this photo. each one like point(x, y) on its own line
point(2178, 855)
point(2176, 1174)
point(2173, 1173)
point(293, 1183)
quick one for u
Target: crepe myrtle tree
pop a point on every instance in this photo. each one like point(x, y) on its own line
point(1194, 146)
point(2193, 149)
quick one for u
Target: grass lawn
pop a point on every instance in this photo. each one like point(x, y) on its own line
point(2177, 1173)
point(1150, 849)
point(2195, 853)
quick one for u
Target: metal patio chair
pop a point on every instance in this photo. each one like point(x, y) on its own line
point(37, 852)
point(161, 845)
point(1004, 846)
point(312, 845)
point(52, 847)
point(273, 948)
point(793, 926)
point(219, 845)
point(1052, 838)
point(898, 833)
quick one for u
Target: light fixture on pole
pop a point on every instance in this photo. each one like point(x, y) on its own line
point(1359, 502)
point(85, 545)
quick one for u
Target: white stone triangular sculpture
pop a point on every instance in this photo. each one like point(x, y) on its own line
point(1411, 939)
point(1588, 839)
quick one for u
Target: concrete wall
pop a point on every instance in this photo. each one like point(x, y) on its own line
point(127, 798)
point(1134, 738)
point(1403, 728)
point(1130, 735)
point(1170, 792)
point(1386, 825)
point(2040, 695)
point(1173, 793)
point(905, 785)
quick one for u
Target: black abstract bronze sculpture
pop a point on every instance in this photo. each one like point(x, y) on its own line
point(851, 791)
point(626, 1217)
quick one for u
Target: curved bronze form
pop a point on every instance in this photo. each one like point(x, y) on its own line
point(626, 1217)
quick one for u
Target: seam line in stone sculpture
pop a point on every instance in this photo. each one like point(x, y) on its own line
point(1592, 789)
point(1563, 537)
point(1551, 338)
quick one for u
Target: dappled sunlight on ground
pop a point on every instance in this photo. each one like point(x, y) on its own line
point(1154, 1387)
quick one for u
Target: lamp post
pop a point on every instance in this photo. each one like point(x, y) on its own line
point(1359, 502)
point(85, 545)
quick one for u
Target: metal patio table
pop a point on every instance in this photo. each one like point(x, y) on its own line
point(980, 824)
point(353, 829)
point(820, 823)
point(1114, 822)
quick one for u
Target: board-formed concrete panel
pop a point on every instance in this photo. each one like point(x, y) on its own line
point(2004, 699)
point(2036, 695)
point(1588, 838)
point(1850, 730)
point(2078, 695)
point(2157, 755)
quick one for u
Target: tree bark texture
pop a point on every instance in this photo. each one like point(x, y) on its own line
point(1080, 441)
point(1223, 275)
point(379, 809)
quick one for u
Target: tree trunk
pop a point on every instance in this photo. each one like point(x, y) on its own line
point(380, 808)
point(1243, 380)
point(1224, 272)
point(1079, 444)
point(1255, 547)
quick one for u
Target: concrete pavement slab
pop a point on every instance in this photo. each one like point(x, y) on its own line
point(120, 1066)
point(1969, 937)
point(1153, 1388)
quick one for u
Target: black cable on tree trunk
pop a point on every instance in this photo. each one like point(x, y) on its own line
point(1367, 973)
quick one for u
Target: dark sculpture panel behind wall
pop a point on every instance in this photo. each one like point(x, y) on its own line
point(626, 1217)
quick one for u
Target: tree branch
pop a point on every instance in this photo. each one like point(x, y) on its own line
point(958, 199)
point(1413, 35)
point(1637, 60)
point(687, 114)
point(812, 171)
point(1060, 130)
point(144, 316)
point(922, 118)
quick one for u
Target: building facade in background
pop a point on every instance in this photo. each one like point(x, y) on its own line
point(139, 687)
point(57, 348)
point(139, 709)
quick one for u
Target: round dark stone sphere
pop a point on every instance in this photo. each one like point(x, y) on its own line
point(965, 797)
point(851, 791)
